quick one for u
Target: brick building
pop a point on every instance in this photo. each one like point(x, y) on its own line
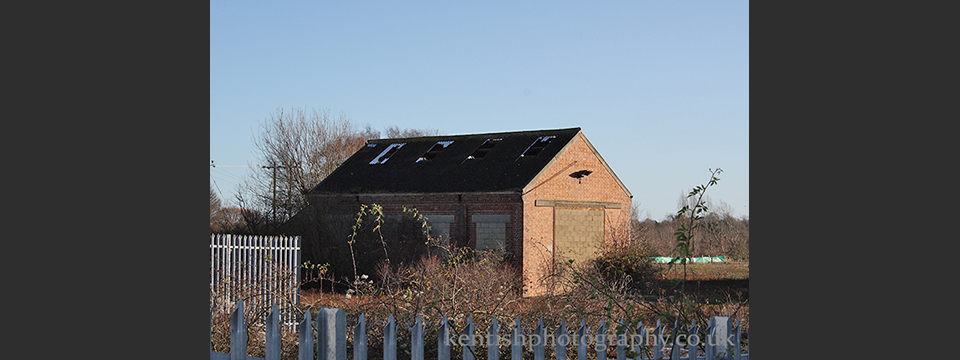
point(541, 196)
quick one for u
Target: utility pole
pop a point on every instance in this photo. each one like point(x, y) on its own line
point(273, 202)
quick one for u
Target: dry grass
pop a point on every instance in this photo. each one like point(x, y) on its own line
point(730, 270)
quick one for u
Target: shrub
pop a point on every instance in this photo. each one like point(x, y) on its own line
point(633, 265)
point(457, 284)
point(259, 294)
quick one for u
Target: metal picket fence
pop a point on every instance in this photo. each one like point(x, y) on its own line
point(721, 340)
point(264, 270)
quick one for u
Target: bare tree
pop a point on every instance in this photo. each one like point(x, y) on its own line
point(224, 219)
point(720, 232)
point(297, 149)
point(726, 235)
point(214, 202)
point(395, 132)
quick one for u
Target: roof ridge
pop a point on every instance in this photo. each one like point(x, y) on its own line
point(461, 136)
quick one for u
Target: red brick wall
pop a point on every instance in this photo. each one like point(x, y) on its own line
point(530, 232)
point(556, 184)
point(461, 206)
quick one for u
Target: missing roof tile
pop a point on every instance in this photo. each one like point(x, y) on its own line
point(484, 149)
point(387, 153)
point(538, 145)
point(436, 149)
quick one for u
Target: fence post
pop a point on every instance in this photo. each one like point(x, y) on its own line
point(306, 337)
point(469, 331)
point(213, 270)
point(709, 351)
point(622, 341)
point(443, 339)
point(416, 339)
point(692, 348)
point(238, 334)
point(254, 273)
point(360, 339)
point(561, 338)
point(538, 340)
point(602, 340)
point(718, 342)
point(658, 341)
point(390, 339)
point(516, 340)
point(298, 257)
point(245, 265)
point(582, 340)
point(736, 343)
point(675, 350)
point(493, 341)
point(273, 334)
point(638, 334)
point(331, 334)
point(211, 329)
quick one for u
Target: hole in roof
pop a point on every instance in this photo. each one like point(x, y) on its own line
point(538, 145)
point(484, 148)
point(387, 153)
point(436, 149)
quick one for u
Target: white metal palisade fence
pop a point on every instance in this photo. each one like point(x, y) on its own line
point(263, 270)
point(722, 340)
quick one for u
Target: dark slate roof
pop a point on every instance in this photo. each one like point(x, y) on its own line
point(449, 170)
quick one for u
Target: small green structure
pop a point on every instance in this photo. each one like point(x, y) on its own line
point(707, 259)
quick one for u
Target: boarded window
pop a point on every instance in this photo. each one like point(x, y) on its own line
point(491, 236)
point(440, 227)
point(578, 233)
point(491, 231)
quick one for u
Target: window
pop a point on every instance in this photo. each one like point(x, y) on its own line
point(440, 227)
point(436, 149)
point(484, 149)
point(491, 236)
point(538, 145)
point(491, 231)
point(387, 153)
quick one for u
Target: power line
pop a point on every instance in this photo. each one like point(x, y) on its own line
point(243, 166)
point(217, 186)
point(226, 174)
point(274, 167)
point(253, 166)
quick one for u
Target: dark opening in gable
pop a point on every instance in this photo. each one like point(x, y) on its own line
point(484, 149)
point(538, 145)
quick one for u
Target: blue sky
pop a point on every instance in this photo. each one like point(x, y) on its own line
point(661, 88)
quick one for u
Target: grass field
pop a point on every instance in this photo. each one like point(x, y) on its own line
point(730, 270)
